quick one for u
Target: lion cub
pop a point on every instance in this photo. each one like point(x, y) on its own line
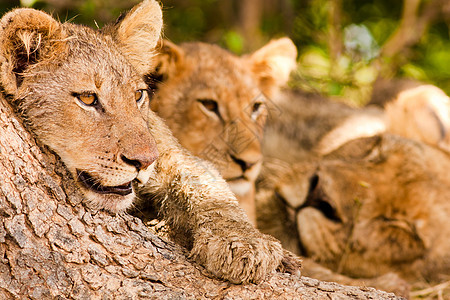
point(81, 93)
point(369, 206)
point(216, 104)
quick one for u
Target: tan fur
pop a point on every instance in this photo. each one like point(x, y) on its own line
point(137, 39)
point(241, 87)
point(372, 206)
point(47, 66)
point(308, 125)
point(421, 113)
point(364, 123)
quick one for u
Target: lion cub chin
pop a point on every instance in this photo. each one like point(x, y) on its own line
point(80, 92)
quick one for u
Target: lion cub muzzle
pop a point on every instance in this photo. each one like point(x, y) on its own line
point(134, 155)
point(142, 157)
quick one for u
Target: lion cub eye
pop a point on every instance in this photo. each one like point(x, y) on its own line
point(257, 109)
point(89, 99)
point(210, 105)
point(139, 95)
point(256, 106)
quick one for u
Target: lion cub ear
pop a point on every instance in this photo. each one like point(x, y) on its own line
point(27, 37)
point(169, 60)
point(273, 63)
point(137, 33)
point(421, 113)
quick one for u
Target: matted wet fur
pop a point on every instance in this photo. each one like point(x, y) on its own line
point(215, 104)
point(80, 92)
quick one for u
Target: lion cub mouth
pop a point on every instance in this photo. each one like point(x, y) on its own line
point(93, 184)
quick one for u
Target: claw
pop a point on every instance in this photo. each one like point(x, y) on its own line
point(290, 263)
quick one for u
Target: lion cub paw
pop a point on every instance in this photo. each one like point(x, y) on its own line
point(240, 258)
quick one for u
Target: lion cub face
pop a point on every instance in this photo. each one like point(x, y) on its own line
point(81, 97)
point(215, 103)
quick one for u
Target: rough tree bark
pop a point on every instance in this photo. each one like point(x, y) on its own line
point(52, 246)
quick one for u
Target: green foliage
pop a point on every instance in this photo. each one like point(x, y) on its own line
point(431, 58)
point(194, 20)
point(351, 76)
point(234, 41)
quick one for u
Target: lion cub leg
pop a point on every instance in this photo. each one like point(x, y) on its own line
point(198, 205)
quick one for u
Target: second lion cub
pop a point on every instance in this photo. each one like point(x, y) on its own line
point(215, 103)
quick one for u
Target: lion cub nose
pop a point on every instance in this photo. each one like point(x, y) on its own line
point(141, 157)
point(245, 165)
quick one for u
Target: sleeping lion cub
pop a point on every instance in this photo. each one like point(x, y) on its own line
point(81, 93)
point(371, 206)
point(215, 103)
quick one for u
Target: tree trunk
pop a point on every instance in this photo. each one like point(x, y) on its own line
point(416, 18)
point(250, 14)
point(51, 245)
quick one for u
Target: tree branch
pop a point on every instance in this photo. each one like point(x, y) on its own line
point(335, 43)
point(413, 24)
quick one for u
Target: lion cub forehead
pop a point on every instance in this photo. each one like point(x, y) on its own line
point(219, 69)
point(208, 56)
point(98, 55)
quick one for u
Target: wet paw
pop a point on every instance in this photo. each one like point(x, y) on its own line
point(239, 258)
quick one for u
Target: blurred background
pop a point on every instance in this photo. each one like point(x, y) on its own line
point(344, 46)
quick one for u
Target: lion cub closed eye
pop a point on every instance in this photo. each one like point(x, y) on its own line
point(216, 104)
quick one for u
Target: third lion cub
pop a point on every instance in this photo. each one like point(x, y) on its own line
point(215, 103)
